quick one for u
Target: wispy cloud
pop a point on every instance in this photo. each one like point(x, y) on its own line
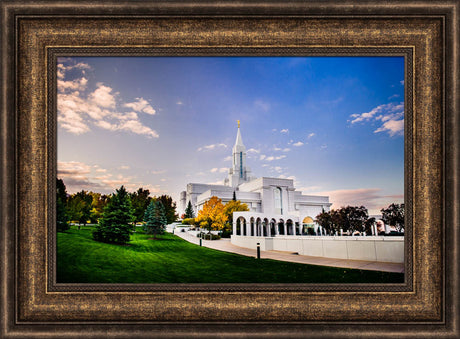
point(212, 147)
point(392, 116)
point(79, 176)
point(219, 170)
point(78, 109)
point(284, 131)
point(371, 198)
point(311, 135)
point(297, 144)
point(251, 150)
point(281, 149)
point(262, 105)
point(272, 158)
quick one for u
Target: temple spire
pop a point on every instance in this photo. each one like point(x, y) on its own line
point(239, 146)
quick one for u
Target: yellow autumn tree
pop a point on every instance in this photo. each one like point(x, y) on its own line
point(233, 206)
point(212, 216)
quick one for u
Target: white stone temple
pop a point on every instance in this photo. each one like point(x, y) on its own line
point(276, 207)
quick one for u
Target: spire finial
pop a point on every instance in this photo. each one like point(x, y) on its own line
point(238, 123)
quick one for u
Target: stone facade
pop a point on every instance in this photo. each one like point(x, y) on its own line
point(264, 196)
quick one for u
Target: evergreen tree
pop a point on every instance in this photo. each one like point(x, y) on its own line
point(189, 213)
point(155, 218)
point(114, 226)
point(62, 217)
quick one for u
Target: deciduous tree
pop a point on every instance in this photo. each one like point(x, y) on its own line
point(169, 207)
point(212, 216)
point(140, 200)
point(62, 216)
point(394, 215)
point(233, 206)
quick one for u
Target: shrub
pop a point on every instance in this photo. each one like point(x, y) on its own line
point(208, 236)
point(188, 221)
point(225, 234)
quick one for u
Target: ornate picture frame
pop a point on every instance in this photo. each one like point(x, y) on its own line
point(33, 305)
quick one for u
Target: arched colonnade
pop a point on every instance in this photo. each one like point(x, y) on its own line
point(260, 225)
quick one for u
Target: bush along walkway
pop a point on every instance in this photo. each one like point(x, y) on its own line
point(227, 246)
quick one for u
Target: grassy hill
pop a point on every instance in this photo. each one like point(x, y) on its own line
point(169, 259)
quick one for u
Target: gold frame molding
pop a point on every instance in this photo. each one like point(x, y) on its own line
point(425, 33)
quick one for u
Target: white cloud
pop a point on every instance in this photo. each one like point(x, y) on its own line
point(72, 168)
point(77, 110)
point(228, 158)
point(298, 144)
point(311, 135)
point(220, 170)
point(141, 105)
point(392, 116)
point(252, 150)
point(281, 149)
point(284, 130)
point(179, 103)
point(272, 158)
point(136, 126)
point(393, 127)
point(75, 85)
point(262, 157)
point(158, 172)
point(103, 97)
point(402, 82)
point(125, 167)
point(211, 147)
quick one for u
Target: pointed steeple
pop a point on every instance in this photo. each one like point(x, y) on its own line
point(239, 173)
point(239, 146)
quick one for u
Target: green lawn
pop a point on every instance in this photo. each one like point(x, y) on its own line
point(170, 259)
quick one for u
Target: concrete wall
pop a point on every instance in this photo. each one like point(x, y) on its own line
point(372, 248)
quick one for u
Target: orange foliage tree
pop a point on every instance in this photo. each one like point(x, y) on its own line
point(212, 216)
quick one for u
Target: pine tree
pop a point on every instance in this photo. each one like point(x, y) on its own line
point(189, 213)
point(155, 218)
point(114, 226)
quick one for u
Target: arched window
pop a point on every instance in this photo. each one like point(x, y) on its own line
point(278, 201)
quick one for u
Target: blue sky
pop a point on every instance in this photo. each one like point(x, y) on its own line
point(333, 124)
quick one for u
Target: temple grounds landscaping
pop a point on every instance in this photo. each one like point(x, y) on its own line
point(169, 259)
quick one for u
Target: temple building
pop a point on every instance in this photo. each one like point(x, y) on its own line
point(271, 201)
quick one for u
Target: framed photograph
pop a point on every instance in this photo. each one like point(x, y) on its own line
point(69, 67)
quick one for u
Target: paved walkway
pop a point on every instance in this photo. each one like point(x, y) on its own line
point(227, 246)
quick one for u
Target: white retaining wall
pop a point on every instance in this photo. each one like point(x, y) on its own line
point(371, 248)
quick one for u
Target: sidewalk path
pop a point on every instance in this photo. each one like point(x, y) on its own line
point(226, 246)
